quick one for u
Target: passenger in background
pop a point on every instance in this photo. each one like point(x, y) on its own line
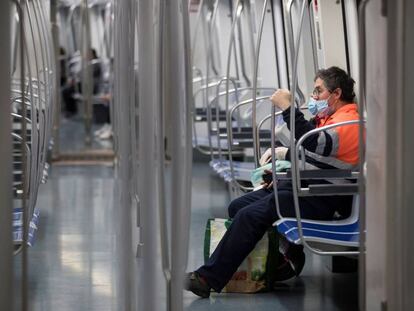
point(73, 85)
point(62, 61)
point(96, 70)
point(332, 101)
point(105, 132)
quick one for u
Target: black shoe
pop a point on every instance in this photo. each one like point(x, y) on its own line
point(196, 284)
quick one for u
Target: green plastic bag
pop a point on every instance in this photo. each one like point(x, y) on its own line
point(256, 273)
point(256, 176)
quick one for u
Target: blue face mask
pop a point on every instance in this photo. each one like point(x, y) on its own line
point(317, 106)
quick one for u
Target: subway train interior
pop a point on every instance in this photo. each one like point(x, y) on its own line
point(128, 127)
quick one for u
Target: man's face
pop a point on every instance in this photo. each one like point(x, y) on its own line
point(320, 91)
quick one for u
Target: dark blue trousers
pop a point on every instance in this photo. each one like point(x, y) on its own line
point(253, 214)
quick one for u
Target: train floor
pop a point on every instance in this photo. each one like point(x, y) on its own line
point(74, 262)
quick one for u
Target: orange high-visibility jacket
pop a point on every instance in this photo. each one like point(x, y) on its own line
point(333, 148)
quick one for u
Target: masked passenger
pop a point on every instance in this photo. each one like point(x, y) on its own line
point(332, 101)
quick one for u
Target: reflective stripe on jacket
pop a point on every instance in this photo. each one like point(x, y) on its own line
point(333, 148)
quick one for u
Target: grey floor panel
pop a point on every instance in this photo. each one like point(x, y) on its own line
point(74, 263)
point(72, 136)
point(316, 289)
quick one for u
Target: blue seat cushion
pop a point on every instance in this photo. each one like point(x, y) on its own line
point(335, 233)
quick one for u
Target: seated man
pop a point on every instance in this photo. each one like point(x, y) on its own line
point(71, 87)
point(332, 101)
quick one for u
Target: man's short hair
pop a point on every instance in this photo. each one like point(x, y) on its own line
point(334, 78)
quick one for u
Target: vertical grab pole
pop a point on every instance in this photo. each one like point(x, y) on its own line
point(148, 193)
point(295, 171)
point(56, 116)
point(212, 34)
point(237, 11)
point(273, 113)
point(361, 179)
point(37, 160)
point(124, 97)
point(24, 160)
point(292, 46)
point(313, 39)
point(179, 84)
point(351, 17)
point(52, 71)
point(209, 56)
point(6, 254)
point(272, 8)
point(256, 146)
point(86, 72)
point(272, 145)
point(208, 111)
point(45, 88)
point(162, 213)
point(279, 39)
point(197, 24)
point(213, 65)
point(188, 151)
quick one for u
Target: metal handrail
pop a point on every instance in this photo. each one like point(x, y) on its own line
point(237, 11)
point(35, 136)
point(52, 68)
point(24, 163)
point(87, 79)
point(42, 97)
point(241, 45)
point(55, 123)
point(208, 55)
point(313, 39)
point(208, 112)
point(292, 46)
point(312, 132)
point(162, 206)
point(233, 81)
point(69, 21)
point(273, 160)
point(209, 122)
point(297, 211)
point(123, 94)
point(259, 126)
point(212, 33)
point(236, 16)
point(205, 86)
point(292, 126)
point(41, 152)
point(295, 149)
point(197, 23)
point(255, 74)
point(199, 75)
point(193, 111)
point(27, 156)
point(7, 289)
point(108, 29)
point(230, 139)
point(214, 100)
point(46, 98)
point(189, 104)
point(362, 149)
point(15, 47)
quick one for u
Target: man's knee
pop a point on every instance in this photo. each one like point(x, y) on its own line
point(234, 207)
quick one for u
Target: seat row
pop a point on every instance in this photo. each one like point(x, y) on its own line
point(33, 97)
point(234, 122)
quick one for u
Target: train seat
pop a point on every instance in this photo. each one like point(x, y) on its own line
point(336, 232)
point(18, 226)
